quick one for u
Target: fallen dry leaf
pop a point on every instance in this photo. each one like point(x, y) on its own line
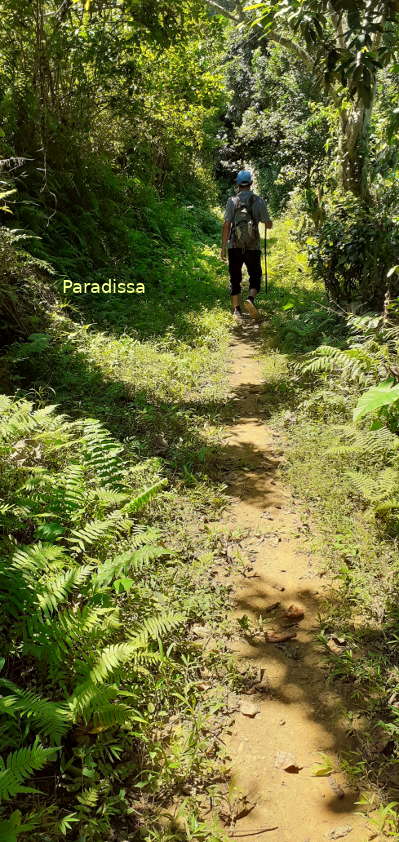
point(294, 612)
point(279, 637)
point(286, 761)
point(339, 832)
point(334, 647)
point(249, 709)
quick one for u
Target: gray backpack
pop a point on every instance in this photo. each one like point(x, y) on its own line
point(245, 229)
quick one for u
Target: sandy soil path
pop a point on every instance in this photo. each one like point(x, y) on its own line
point(299, 713)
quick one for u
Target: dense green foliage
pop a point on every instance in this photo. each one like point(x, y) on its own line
point(116, 120)
point(101, 108)
point(313, 107)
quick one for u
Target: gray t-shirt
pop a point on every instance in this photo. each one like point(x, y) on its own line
point(260, 213)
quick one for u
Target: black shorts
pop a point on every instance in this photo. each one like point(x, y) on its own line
point(251, 259)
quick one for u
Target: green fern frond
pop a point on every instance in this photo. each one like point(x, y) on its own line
point(89, 798)
point(94, 532)
point(75, 625)
point(88, 698)
point(107, 497)
point(148, 553)
point(73, 487)
point(50, 719)
point(7, 509)
point(324, 358)
point(387, 506)
point(387, 482)
point(42, 415)
point(67, 495)
point(364, 485)
point(370, 443)
point(375, 489)
point(51, 640)
point(110, 659)
point(92, 695)
point(20, 765)
point(110, 715)
point(50, 595)
point(37, 558)
point(19, 423)
point(354, 363)
point(142, 499)
point(156, 627)
point(116, 655)
point(124, 563)
point(141, 536)
point(102, 453)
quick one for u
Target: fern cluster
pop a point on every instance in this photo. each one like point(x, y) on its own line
point(372, 350)
point(371, 357)
point(69, 544)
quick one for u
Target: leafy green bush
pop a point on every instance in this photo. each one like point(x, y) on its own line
point(369, 367)
point(352, 251)
point(25, 290)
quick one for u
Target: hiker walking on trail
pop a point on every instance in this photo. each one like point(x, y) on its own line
point(241, 242)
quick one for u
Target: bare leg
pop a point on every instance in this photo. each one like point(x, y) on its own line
point(235, 300)
point(253, 293)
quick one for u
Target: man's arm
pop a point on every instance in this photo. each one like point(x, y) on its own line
point(228, 220)
point(225, 236)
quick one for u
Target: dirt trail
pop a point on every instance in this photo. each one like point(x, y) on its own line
point(300, 713)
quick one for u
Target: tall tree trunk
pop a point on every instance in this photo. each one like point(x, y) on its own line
point(355, 123)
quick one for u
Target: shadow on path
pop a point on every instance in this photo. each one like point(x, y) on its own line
point(302, 712)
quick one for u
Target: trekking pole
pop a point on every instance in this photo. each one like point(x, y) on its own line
point(266, 279)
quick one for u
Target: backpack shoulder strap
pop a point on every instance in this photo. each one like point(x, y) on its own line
point(251, 204)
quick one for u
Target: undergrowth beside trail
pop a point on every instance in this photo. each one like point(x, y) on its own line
point(110, 698)
point(345, 476)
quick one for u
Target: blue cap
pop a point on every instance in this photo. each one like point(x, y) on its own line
point(244, 177)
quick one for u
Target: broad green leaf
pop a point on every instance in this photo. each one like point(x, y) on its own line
point(321, 770)
point(123, 585)
point(385, 394)
point(324, 768)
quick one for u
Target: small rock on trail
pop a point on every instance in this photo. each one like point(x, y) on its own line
point(286, 761)
point(249, 709)
point(339, 832)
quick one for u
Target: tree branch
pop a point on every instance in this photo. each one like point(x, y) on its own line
point(271, 36)
point(292, 46)
point(222, 10)
point(337, 23)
